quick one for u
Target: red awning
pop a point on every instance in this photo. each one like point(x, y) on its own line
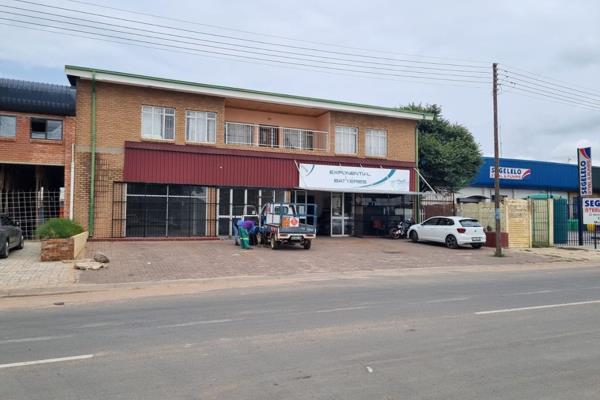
point(210, 166)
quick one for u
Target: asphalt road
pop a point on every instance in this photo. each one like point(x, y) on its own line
point(472, 335)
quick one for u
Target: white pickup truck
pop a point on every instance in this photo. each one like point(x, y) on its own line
point(280, 224)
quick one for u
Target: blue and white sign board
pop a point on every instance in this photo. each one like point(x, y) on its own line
point(332, 178)
point(591, 211)
point(584, 160)
point(511, 173)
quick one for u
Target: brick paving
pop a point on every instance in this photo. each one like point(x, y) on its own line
point(24, 270)
point(166, 260)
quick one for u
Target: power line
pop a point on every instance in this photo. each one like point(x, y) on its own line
point(249, 40)
point(272, 35)
point(514, 84)
point(547, 96)
point(546, 99)
point(537, 76)
point(146, 42)
point(237, 60)
point(261, 53)
point(534, 81)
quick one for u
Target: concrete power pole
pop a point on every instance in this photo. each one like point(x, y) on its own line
point(498, 252)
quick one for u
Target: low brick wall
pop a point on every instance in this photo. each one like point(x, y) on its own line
point(63, 249)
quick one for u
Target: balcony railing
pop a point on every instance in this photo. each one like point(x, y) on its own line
point(276, 137)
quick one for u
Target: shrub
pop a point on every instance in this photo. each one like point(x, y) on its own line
point(58, 228)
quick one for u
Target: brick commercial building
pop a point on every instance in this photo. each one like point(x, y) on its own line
point(165, 158)
point(37, 129)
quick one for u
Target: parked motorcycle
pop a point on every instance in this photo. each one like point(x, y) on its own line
point(400, 230)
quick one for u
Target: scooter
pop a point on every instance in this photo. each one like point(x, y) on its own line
point(400, 230)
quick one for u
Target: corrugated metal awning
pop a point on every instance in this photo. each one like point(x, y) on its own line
point(210, 166)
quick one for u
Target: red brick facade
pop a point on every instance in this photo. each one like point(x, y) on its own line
point(22, 149)
point(119, 120)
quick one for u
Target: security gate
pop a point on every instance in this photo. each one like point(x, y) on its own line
point(567, 229)
point(540, 223)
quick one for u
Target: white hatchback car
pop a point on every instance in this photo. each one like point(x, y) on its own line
point(453, 231)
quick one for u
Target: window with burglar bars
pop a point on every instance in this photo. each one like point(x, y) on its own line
point(298, 139)
point(268, 136)
point(236, 133)
point(152, 210)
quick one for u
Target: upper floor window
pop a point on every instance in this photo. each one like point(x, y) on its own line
point(376, 143)
point(158, 122)
point(268, 136)
point(50, 129)
point(345, 139)
point(8, 126)
point(298, 138)
point(237, 133)
point(200, 127)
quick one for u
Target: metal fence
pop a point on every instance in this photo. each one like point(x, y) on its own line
point(568, 228)
point(31, 209)
point(433, 204)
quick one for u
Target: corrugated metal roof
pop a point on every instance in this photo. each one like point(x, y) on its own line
point(36, 97)
point(545, 175)
point(74, 72)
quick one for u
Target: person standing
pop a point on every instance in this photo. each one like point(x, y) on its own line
point(244, 230)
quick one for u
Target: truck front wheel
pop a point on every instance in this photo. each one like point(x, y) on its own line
point(274, 243)
point(307, 244)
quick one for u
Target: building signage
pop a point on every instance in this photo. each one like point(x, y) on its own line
point(354, 179)
point(511, 173)
point(591, 211)
point(584, 161)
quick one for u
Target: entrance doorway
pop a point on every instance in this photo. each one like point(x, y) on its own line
point(335, 211)
point(342, 214)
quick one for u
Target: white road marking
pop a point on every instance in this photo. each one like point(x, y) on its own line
point(46, 361)
point(369, 369)
point(533, 292)
point(505, 310)
point(99, 325)
point(34, 339)
point(193, 323)
point(341, 309)
point(449, 300)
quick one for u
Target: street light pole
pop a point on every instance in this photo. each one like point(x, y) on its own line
point(498, 252)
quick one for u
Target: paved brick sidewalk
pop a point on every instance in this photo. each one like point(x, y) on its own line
point(151, 261)
point(24, 270)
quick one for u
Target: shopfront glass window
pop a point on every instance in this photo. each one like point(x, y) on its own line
point(381, 212)
point(166, 210)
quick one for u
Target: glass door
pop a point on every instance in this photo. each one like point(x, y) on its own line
point(342, 214)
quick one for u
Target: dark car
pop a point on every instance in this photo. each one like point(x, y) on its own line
point(11, 235)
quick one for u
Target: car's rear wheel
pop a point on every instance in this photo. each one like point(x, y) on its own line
point(21, 243)
point(477, 245)
point(414, 236)
point(4, 250)
point(451, 242)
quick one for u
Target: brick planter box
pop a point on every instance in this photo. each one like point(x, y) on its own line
point(490, 239)
point(63, 249)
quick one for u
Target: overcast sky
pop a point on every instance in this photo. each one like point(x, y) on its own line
point(555, 39)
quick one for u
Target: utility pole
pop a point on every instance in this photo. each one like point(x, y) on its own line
point(498, 252)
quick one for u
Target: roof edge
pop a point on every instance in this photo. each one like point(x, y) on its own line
point(247, 94)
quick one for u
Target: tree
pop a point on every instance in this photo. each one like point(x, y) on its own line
point(449, 157)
